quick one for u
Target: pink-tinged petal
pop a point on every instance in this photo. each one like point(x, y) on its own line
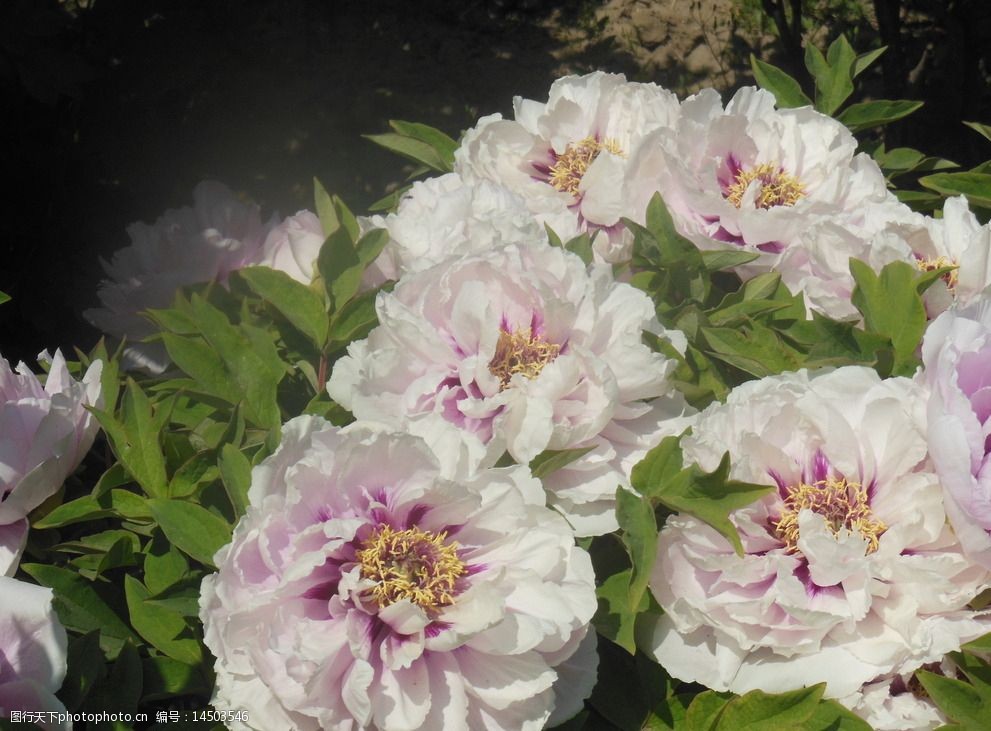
point(405, 698)
point(13, 536)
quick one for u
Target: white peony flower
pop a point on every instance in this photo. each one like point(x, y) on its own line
point(526, 350)
point(849, 570)
point(45, 431)
point(34, 652)
point(293, 246)
point(898, 703)
point(185, 246)
point(376, 584)
point(444, 216)
point(568, 157)
point(956, 353)
point(957, 239)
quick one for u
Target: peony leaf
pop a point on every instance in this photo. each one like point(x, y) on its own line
point(160, 626)
point(198, 470)
point(551, 460)
point(757, 350)
point(957, 699)
point(83, 606)
point(4, 297)
point(864, 60)
point(615, 619)
point(121, 688)
point(787, 91)
point(193, 529)
point(671, 714)
point(628, 688)
point(86, 667)
point(299, 304)
point(164, 678)
point(413, 149)
point(164, 566)
point(705, 709)
point(833, 73)
point(982, 129)
point(891, 306)
point(636, 518)
point(759, 711)
point(235, 472)
point(74, 511)
point(976, 186)
point(340, 268)
point(442, 143)
point(865, 115)
point(715, 261)
point(660, 466)
point(356, 319)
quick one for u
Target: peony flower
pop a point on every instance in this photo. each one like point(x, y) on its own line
point(524, 349)
point(898, 703)
point(444, 216)
point(45, 431)
point(957, 239)
point(378, 582)
point(849, 571)
point(956, 352)
point(34, 651)
point(756, 178)
point(293, 246)
point(185, 246)
point(568, 157)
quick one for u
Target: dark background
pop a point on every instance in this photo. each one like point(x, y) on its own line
point(114, 109)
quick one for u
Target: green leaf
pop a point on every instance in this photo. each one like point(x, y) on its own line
point(235, 471)
point(615, 619)
point(75, 511)
point(833, 73)
point(581, 246)
point(759, 711)
point(981, 644)
point(705, 709)
point(957, 699)
point(891, 306)
point(864, 60)
point(660, 465)
point(161, 627)
point(81, 606)
point(419, 143)
point(787, 91)
point(198, 470)
point(715, 261)
point(356, 319)
point(671, 714)
point(757, 350)
point(164, 566)
point(551, 460)
point(440, 141)
point(296, 302)
point(636, 518)
point(129, 505)
point(194, 530)
point(865, 115)
point(976, 186)
point(121, 690)
point(86, 667)
point(164, 677)
point(982, 129)
point(340, 267)
point(4, 297)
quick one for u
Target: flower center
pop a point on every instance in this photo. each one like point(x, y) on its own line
point(411, 564)
point(843, 504)
point(931, 265)
point(777, 188)
point(569, 167)
point(521, 352)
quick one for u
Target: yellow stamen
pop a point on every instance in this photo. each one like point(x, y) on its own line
point(521, 352)
point(777, 188)
point(930, 265)
point(411, 564)
point(567, 172)
point(843, 504)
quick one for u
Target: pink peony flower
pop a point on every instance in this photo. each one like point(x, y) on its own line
point(898, 703)
point(33, 660)
point(378, 583)
point(444, 216)
point(293, 246)
point(45, 431)
point(849, 571)
point(185, 246)
point(956, 352)
point(568, 157)
point(525, 350)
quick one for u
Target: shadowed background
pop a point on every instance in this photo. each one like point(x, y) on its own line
point(114, 109)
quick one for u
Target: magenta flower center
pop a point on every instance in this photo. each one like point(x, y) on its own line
point(844, 506)
point(569, 167)
point(777, 188)
point(521, 351)
point(411, 564)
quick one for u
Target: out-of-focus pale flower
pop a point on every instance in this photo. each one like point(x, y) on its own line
point(45, 431)
point(442, 217)
point(376, 583)
point(958, 240)
point(756, 178)
point(185, 246)
point(527, 350)
point(568, 157)
point(34, 652)
point(293, 246)
point(849, 571)
point(956, 353)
